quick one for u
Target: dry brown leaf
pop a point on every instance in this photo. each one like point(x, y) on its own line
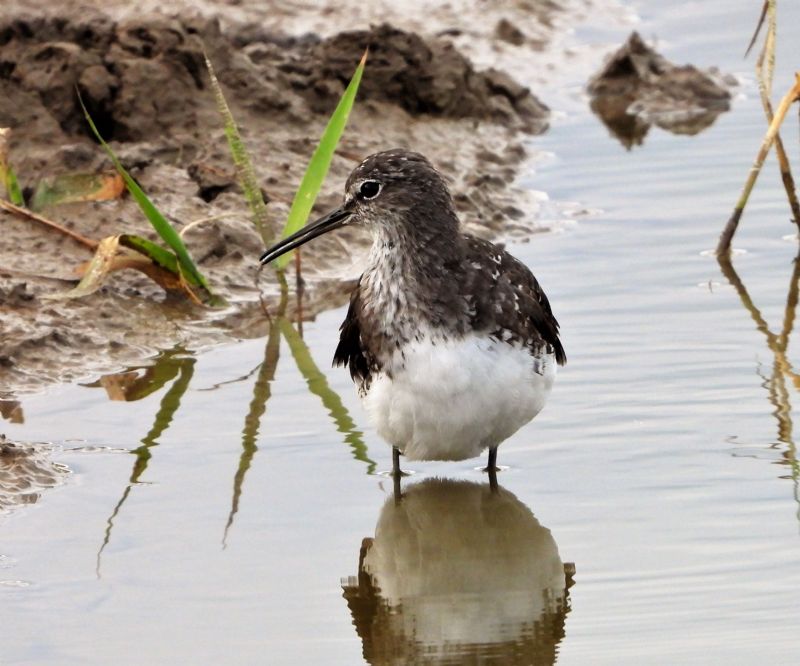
point(110, 257)
point(118, 385)
point(96, 271)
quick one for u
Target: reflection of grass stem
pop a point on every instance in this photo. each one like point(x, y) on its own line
point(262, 390)
point(165, 367)
point(782, 368)
point(299, 290)
point(184, 367)
point(776, 343)
point(226, 382)
point(318, 385)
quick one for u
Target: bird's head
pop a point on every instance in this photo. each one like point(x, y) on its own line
point(391, 193)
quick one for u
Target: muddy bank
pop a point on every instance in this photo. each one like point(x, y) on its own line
point(638, 88)
point(144, 81)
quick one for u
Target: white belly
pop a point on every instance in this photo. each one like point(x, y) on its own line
point(449, 400)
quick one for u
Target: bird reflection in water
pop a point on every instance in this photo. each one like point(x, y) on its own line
point(459, 573)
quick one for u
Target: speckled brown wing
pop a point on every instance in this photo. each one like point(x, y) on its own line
point(351, 350)
point(508, 302)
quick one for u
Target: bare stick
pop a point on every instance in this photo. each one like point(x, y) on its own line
point(23, 212)
point(758, 27)
point(724, 245)
point(765, 89)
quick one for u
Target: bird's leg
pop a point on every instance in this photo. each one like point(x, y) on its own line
point(492, 465)
point(396, 471)
point(491, 468)
point(396, 474)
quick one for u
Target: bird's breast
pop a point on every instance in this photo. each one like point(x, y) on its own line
point(441, 398)
point(399, 306)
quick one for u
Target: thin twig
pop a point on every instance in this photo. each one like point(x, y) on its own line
point(758, 27)
point(724, 245)
point(204, 220)
point(23, 212)
point(765, 77)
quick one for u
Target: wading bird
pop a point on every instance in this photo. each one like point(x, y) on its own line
point(450, 340)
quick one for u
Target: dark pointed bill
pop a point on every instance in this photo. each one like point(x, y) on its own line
point(329, 222)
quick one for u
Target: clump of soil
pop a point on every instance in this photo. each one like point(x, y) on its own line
point(638, 88)
point(427, 78)
point(144, 81)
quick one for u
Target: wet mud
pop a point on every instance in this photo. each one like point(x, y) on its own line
point(26, 471)
point(143, 80)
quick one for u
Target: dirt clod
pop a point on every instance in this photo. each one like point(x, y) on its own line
point(508, 32)
point(424, 77)
point(637, 88)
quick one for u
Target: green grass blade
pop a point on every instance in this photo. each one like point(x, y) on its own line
point(321, 161)
point(318, 385)
point(12, 188)
point(241, 159)
point(7, 176)
point(156, 253)
point(156, 218)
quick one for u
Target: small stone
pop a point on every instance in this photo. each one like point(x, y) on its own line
point(508, 32)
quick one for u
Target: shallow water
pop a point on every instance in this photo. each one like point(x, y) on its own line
point(663, 467)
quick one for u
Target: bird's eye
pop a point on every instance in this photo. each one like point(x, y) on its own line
point(369, 189)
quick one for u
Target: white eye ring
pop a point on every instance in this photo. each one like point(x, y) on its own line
point(367, 191)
